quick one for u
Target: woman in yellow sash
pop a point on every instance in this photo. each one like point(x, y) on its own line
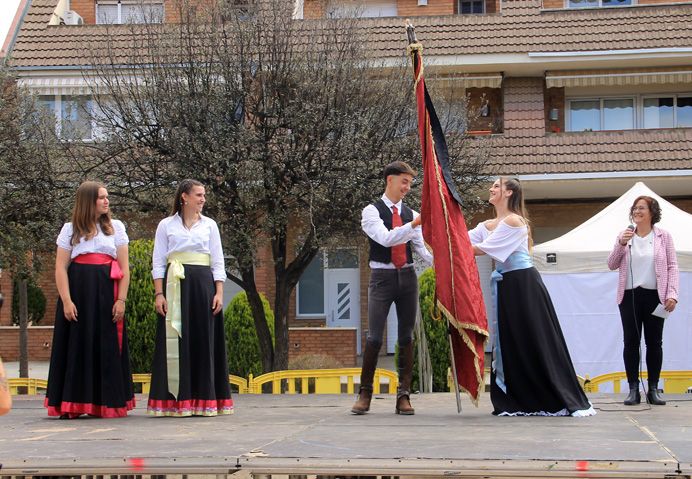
point(190, 372)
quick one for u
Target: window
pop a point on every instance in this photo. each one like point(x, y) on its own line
point(598, 3)
point(471, 6)
point(362, 9)
point(601, 114)
point(73, 115)
point(311, 290)
point(667, 112)
point(75, 118)
point(129, 11)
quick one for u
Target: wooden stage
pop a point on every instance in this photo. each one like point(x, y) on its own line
point(310, 435)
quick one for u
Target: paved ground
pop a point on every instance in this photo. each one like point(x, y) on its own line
point(317, 435)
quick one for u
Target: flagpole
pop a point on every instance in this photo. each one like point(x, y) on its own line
point(411, 34)
point(454, 366)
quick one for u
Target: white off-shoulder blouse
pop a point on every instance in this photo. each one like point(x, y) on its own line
point(502, 241)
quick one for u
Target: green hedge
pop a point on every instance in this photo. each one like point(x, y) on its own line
point(435, 331)
point(436, 334)
point(35, 298)
point(140, 314)
point(242, 344)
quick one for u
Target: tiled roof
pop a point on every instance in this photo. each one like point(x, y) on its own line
point(524, 148)
point(635, 150)
point(521, 27)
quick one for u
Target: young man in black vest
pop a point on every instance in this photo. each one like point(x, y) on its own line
point(394, 230)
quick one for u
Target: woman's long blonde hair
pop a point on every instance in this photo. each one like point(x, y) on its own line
point(515, 202)
point(84, 213)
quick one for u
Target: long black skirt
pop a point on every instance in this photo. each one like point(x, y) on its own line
point(538, 373)
point(204, 389)
point(89, 373)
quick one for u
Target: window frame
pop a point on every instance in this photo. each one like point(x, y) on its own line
point(568, 5)
point(483, 7)
point(325, 267)
point(601, 100)
point(675, 97)
point(119, 4)
point(323, 314)
point(638, 109)
point(58, 113)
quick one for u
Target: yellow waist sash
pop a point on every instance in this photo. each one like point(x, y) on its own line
point(176, 272)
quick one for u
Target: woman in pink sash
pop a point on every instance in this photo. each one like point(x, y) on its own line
point(90, 363)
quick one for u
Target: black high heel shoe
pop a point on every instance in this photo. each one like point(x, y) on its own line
point(634, 396)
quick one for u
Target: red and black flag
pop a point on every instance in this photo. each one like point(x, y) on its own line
point(458, 289)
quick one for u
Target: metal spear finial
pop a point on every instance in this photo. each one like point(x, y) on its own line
point(410, 32)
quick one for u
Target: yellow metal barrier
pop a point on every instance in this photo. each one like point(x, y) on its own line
point(32, 385)
point(145, 380)
point(305, 381)
point(323, 381)
point(674, 382)
point(240, 382)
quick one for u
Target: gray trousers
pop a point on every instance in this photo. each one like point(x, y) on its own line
point(389, 286)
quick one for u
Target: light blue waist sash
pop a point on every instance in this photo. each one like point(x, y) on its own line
point(515, 261)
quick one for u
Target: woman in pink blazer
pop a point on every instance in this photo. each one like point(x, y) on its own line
point(648, 266)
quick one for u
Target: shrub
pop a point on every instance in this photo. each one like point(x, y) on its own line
point(35, 298)
point(436, 334)
point(242, 344)
point(140, 313)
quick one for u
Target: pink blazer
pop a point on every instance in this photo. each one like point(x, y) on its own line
point(665, 264)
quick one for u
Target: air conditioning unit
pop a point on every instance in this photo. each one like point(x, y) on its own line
point(73, 18)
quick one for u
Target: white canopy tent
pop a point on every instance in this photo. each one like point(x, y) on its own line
point(575, 271)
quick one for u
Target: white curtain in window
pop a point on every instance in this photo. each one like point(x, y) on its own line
point(658, 112)
point(107, 13)
point(618, 114)
point(362, 9)
point(141, 13)
point(76, 117)
point(585, 115)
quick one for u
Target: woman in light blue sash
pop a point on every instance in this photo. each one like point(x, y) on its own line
point(532, 372)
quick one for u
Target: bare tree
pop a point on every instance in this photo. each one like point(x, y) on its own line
point(32, 191)
point(288, 123)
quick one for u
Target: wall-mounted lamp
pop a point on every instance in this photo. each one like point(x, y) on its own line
point(485, 110)
point(554, 114)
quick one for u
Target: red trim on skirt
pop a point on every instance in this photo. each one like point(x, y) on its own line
point(75, 409)
point(190, 407)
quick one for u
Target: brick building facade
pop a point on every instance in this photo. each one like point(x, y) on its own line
point(581, 99)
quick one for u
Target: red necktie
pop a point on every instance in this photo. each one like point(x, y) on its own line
point(398, 251)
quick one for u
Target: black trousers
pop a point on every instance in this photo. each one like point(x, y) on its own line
point(635, 312)
point(389, 286)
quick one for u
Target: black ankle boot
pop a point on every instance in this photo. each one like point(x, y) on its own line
point(652, 396)
point(634, 397)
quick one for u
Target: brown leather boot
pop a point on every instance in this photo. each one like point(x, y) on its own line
point(372, 350)
point(403, 400)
